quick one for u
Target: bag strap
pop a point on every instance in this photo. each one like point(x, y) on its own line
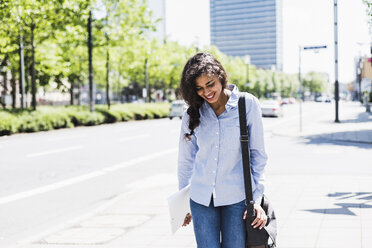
point(244, 141)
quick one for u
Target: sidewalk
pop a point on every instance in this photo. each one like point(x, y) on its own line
point(137, 219)
point(311, 217)
point(323, 211)
point(355, 124)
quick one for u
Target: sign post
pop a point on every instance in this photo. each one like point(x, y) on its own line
point(302, 96)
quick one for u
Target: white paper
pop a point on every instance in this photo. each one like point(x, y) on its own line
point(179, 206)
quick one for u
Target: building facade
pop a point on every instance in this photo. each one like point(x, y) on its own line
point(158, 10)
point(249, 27)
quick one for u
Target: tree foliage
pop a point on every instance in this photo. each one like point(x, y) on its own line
point(54, 33)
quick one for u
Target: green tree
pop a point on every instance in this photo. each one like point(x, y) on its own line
point(315, 82)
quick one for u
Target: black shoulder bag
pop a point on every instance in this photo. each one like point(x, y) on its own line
point(255, 236)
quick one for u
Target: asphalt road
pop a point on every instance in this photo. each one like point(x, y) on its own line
point(52, 177)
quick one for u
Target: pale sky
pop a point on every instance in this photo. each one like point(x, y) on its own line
point(305, 23)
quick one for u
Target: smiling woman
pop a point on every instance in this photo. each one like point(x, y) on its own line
point(209, 156)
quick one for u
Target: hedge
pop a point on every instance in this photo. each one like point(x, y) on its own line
point(49, 118)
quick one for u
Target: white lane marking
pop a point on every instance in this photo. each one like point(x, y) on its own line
point(82, 178)
point(54, 151)
point(133, 137)
point(68, 137)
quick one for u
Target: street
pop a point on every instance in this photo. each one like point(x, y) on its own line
point(52, 180)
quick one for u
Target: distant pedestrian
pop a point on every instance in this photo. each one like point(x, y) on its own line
point(210, 157)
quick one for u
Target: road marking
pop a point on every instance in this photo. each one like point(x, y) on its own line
point(68, 137)
point(54, 151)
point(133, 137)
point(82, 178)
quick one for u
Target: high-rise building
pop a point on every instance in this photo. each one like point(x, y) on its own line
point(158, 10)
point(249, 27)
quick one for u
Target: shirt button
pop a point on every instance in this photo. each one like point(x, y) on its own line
point(216, 146)
point(217, 133)
point(214, 172)
point(215, 159)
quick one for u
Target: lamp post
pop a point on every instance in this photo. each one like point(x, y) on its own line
point(147, 97)
point(247, 61)
point(108, 71)
point(336, 61)
point(301, 86)
point(21, 62)
point(90, 54)
point(22, 71)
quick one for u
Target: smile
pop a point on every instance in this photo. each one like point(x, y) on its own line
point(210, 96)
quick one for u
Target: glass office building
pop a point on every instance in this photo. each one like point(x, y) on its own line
point(249, 27)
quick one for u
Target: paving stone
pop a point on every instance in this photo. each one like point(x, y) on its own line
point(117, 220)
point(84, 235)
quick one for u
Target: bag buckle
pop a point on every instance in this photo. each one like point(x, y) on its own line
point(244, 137)
point(250, 202)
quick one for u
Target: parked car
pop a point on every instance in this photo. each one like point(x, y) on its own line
point(284, 101)
point(327, 99)
point(292, 100)
point(177, 108)
point(271, 108)
point(319, 99)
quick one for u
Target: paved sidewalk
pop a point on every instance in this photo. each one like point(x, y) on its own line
point(136, 219)
point(311, 217)
point(355, 124)
point(324, 211)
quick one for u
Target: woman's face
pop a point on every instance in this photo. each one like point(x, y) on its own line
point(209, 88)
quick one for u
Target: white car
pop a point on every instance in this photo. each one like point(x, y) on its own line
point(271, 108)
point(177, 108)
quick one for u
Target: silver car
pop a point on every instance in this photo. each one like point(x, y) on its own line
point(271, 108)
point(177, 108)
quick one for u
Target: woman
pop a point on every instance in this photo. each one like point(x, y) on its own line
point(210, 155)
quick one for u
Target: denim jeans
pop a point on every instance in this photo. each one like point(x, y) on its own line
point(219, 227)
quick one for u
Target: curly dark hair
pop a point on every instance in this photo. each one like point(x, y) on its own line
point(198, 65)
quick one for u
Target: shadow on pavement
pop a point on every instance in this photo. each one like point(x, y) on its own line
point(346, 208)
point(360, 139)
point(361, 118)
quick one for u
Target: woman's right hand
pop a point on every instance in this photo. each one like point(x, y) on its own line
point(187, 220)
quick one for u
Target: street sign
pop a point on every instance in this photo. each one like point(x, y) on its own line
point(314, 47)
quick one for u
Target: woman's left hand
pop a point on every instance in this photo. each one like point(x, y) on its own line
point(261, 218)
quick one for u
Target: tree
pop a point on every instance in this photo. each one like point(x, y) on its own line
point(315, 82)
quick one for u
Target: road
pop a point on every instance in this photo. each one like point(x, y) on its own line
point(50, 178)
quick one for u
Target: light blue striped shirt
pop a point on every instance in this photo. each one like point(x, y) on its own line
point(212, 162)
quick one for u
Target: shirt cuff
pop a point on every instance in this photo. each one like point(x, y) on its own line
point(258, 199)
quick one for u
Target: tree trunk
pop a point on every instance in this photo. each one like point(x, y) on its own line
point(108, 77)
point(4, 74)
point(79, 86)
point(14, 89)
point(33, 76)
point(4, 62)
point(72, 94)
point(27, 89)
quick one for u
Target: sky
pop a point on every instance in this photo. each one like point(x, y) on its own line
point(305, 23)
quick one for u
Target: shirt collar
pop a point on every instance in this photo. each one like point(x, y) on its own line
point(233, 99)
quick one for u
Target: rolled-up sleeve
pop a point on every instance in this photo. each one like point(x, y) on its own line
point(186, 154)
point(258, 155)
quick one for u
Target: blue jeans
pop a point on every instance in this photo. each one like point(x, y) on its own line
point(219, 227)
